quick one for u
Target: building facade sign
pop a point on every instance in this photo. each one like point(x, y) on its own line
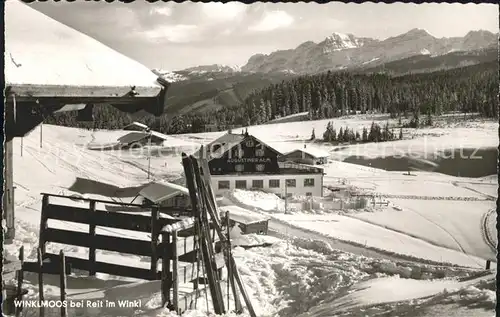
point(249, 160)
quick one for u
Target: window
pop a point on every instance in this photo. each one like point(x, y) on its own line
point(257, 183)
point(260, 167)
point(240, 153)
point(309, 194)
point(259, 152)
point(288, 195)
point(224, 185)
point(216, 169)
point(309, 182)
point(291, 183)
point(241, 184)
point(239, 167)
point(216, 147)
point(216, 150)
point(274, 183)
point(249, 143)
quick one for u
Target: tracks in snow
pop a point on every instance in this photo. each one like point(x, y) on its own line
point(488, 197)
point(485, 229)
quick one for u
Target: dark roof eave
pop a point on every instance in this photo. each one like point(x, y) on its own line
point(127, 99)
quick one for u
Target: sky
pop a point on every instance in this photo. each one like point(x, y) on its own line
point(174, 36)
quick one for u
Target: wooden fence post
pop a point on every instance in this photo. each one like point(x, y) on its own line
point(175, 270)
point(92, 249)
point(40, 282)
point(43, 224)
point(64, 309)
point(20, 278)
point(166, 281)
point(197, 259)
point(154, 240)
point(228, 254)
point(230, 275)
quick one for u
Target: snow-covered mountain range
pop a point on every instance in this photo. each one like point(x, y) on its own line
point(346, 51)
point(169, 75)
point(215, 68)
point(340, 51)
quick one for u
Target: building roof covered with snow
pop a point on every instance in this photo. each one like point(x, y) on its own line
point(136, 126)
point(138, 136)
point(308, 155)
point(244, 216)
point(159, 191)
point(225, 143)
point(159, 135)
point(222, 143)
point(42, 51)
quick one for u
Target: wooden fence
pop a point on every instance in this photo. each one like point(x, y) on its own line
point(175, 249)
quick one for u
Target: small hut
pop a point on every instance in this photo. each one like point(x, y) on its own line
point(306, 155)
point(248, 222)
point(166, 194)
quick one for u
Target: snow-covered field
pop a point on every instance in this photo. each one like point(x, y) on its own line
point(430, 217)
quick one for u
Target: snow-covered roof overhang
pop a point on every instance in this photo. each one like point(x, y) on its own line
point(49, 62)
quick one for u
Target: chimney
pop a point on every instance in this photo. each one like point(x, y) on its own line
point(246, 131)
point(230, 131)
point(305, 146)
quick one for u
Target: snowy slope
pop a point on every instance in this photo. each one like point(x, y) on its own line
point(414, 296)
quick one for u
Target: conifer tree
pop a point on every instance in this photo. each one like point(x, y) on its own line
point(364, 136)
point(346, 135)
point(386, 135)
point(327, 135)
